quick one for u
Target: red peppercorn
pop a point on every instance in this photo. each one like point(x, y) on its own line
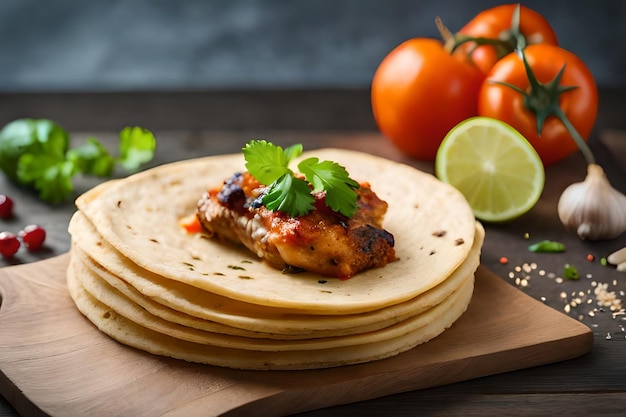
point(9, 244)
point(33, 236)
point(6, 207)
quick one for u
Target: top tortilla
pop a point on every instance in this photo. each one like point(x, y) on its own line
point(432, 223)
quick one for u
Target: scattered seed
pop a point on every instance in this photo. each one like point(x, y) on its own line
point(585, 304)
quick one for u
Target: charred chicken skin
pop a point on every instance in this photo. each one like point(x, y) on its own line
point(322, 241)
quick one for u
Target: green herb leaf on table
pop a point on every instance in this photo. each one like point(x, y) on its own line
point(48, 174)
point(570, 272)
point(92, 158)
point(136, 147)
point(547, 246)
point(269, 164)
point(35, 153)
point(35, 136)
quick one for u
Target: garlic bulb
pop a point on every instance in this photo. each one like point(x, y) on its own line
point(593, 208)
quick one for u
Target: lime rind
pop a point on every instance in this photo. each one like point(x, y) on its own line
point(493, 166)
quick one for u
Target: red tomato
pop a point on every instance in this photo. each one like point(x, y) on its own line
point(495, 23)
point(420, 92)
point(579, 105)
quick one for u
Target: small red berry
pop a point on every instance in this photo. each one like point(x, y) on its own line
point(6, 207)
point(33, 236)
point(9, 244)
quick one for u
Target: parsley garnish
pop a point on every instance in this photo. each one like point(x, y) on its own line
point(36, 153)
point(269, 164)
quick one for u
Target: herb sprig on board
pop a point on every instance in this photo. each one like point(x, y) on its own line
point(289, 193)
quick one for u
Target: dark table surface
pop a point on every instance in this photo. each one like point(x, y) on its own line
point(192, 124)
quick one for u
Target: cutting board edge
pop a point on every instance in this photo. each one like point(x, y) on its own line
point(18, 399)
point(582, 335)
point(285, 399)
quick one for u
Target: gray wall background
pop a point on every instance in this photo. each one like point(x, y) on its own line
point(124, 45)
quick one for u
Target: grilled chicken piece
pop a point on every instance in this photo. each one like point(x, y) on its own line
point(322, 241)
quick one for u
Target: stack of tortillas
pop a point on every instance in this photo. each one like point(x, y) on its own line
point(140, 278)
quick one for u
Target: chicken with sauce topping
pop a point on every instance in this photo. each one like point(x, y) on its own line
point(323, 241)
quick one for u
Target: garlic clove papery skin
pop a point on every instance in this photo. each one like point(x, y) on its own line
point(617, 257)
point(593, 208)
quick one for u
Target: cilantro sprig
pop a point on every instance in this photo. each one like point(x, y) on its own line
point(290, 194)
point(36, 153)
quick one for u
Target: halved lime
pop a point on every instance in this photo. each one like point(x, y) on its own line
point(493, 166)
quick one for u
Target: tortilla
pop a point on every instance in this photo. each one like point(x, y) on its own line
point(433, 226)
point(186, 304)
point(82, 280)
point(132, 334)
point(137, 276)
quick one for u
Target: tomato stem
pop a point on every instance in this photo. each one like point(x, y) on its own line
point(543, 101)
point(580, 142)
point(511, 40)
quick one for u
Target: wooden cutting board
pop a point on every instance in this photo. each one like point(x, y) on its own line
point(54, 362)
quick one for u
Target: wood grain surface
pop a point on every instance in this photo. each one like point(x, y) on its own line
point(54, 362)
